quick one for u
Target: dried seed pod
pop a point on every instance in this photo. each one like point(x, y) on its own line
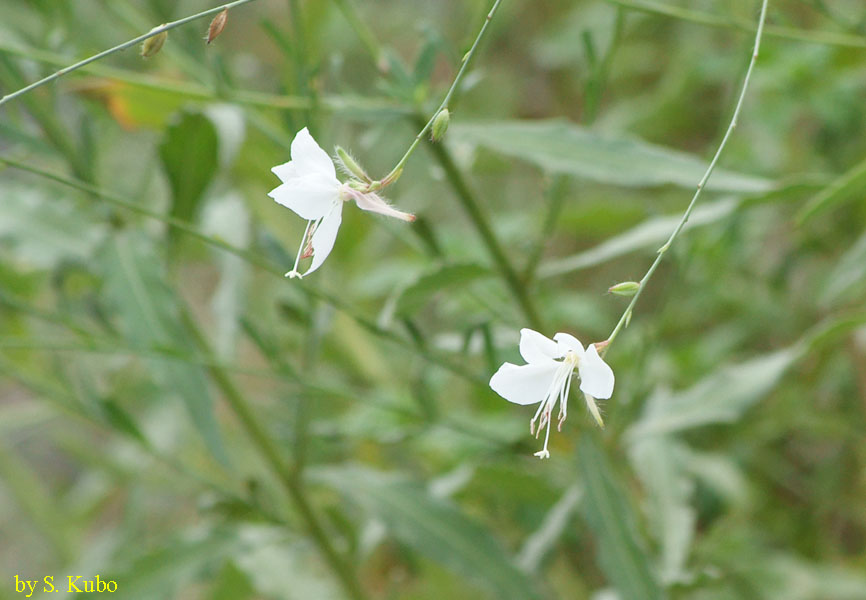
point(217, 26)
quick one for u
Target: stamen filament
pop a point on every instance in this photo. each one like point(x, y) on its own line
point(294, 272)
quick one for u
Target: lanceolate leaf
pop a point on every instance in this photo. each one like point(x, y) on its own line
point(435, 528)
point(134, 286)
point(562, 147)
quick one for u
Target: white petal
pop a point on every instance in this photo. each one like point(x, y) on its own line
point(308, 156)
point(375, 203)
point(311, 196)
point(535, 347)
point(525, 384)
point(596, 377)
point(325, 236)
point(285, 171)
point(568, 342)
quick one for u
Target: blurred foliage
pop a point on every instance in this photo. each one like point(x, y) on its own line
point(142, 297)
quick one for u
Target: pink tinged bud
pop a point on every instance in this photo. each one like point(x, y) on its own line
point(217, 26)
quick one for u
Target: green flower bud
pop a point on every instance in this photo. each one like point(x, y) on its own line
point(351, 166)
point(152, 45)
point(626, 288)
point(440, 125)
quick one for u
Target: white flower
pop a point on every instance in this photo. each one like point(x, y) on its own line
point(310, 188)
point(546, 378)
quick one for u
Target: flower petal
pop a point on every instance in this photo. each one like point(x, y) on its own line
point(568, 342)
point(536, 348)
point(325, 236)
point(285, 171)
point(308, 156)
point(524, 384)
point(374, 203)
point(596, 377)
point(310, 196)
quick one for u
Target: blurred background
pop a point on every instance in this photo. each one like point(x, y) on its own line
point(179, 418)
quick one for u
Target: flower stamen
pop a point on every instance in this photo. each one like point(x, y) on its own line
point(305, 241)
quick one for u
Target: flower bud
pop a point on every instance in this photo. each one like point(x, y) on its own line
point(626, 288)
point(350, 165)
point(217, 26)
point(440, 125)
point(152, 45)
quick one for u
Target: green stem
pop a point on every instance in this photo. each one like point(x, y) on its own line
point(464, 68)
point(284, 474)
point(470, 204)
point(829, 38)
point(118, 48)
point(626, 315)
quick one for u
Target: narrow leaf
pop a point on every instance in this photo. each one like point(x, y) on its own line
point(147, 308)
point(721, 397)
point(848, 186)
point(650, 234)
point(562, 147)
point(433, 527)
point(621, 551)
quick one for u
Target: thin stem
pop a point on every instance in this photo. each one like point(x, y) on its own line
point(626, 315)
point(284, 474)
point(123, 46)
point(464, 68)
point(470, 204)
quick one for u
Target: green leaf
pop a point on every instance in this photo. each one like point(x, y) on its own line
point(562, 147)
point(158, 574)
point(658, 462)
point(147, 308)
point(189, 157)
point(44, 231)
point(721, 397)
point(649, 234)
point(425, 287)
point(849, 186)
point(621, 551)
point(433, 527)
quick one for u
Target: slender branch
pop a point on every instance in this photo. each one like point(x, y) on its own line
point(464, 68)
point(470, 204)
point(123, 46)
point(626, 315)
